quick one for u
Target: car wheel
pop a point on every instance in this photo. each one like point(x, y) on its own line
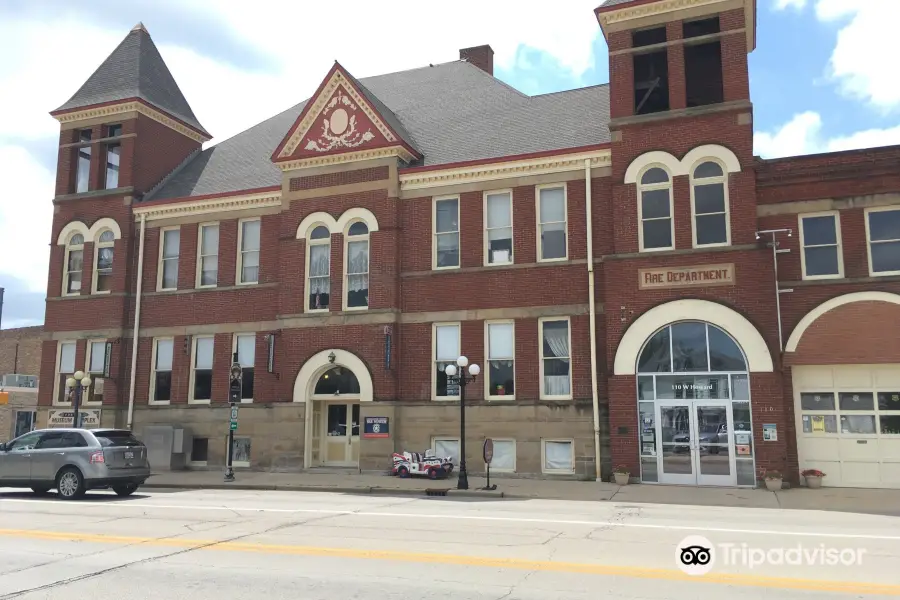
point(402, 472)
point(125, 490)
point(70, 484)
point(40, 490)
point(432, 473)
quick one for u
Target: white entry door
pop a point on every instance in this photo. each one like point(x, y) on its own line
point(341, 434)
point(695, 438)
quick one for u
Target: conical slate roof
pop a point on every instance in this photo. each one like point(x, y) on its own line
point(135, 69)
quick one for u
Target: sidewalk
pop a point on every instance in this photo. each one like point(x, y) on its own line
point(883, 502)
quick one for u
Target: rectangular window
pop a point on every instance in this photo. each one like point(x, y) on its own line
point(558, 456)
point(501, 349)
point(83, 164)
point(651, 82)
point(883, 231)
point(24, 422)
point(169, 250)
point(201, 374)
point(446, 446)
point(241, 456)
point(498, 232)
point(703, 74)
point(820, 242)
point(96, 366)
point(357, 271)
point(74, 265)
point(504, 460)
point(446, 233)
point(65, 367)
point(446, 346)
point(161, 377)
point(199, 451)
point(556, 371)
point(245, 346)
point(113, 155)
point(208, 256)
point(113, 131)
point(552, 213)
point(248, 258)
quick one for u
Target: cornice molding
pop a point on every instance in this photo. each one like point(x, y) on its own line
point(504, 170)
point(336, 80)
point(347, 157)
point(630, 13)
point(111, 110)
point(208, 205)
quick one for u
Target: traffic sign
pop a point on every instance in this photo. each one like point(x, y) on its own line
point(234, 413)
point(234, 385)
point(488, 451)
point(234, 426)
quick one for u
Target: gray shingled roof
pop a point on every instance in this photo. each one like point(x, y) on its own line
point(609, 3)
point(387, 114)
point(135, 69)
point(453, 112)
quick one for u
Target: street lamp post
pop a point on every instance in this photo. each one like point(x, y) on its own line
point(77, 384)
point(459, 377)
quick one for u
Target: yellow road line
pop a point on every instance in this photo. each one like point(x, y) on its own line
point(849, 587)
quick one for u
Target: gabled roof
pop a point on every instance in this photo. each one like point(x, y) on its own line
point(135, 69)
point(454, 112)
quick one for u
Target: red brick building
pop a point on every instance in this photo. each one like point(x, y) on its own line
point(637, 288)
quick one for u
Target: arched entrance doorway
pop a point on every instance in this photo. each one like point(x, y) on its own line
point(332, 383)
point(693, 393)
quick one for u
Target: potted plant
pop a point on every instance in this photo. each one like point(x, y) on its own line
point(621, 475)
point(501, 390)
point(773, 480)
point(813, 478)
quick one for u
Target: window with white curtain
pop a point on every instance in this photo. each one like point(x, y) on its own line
point(655, 210)
point(504, 459)
point(74, 264)
point(446, 233)
point(501, 350)
point(498, 228)
point(248, 256)
point(208, 257)
point(556, 371)
point(446, 446)
point(357, 267)
point(552, 243)
point(201, 373)
point(96, 365)
point(245, 346)
point(161, 378)
point(709, 188)
point(168, 258)
point(103, 262)
point(446, 351)
point(558, 456)
point(65, 367)
point(318, 269)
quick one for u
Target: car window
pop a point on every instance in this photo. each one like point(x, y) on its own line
point(49, 440)
point(25, 443)
point(66, 439)
point(117, 438)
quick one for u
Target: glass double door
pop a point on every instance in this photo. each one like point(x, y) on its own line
point(341, 421)
point(695, 440)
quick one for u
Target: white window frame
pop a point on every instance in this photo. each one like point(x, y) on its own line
point(198, 279)
point(94, 375)
point(723, 180)
point(434, 232)
point(866, 214)
point(58, 373)
point(541, 358)
point(544, 468)
point(640, 205)
point(310, 242)
point(486, 370)
point(66, 273)
point(194, 341)
point(97, 245)
point(434, 361)
point(487, 229)
point(515, 455)
point(537, 210)
point(153, 371)
point(238, 276)
point(239, 463)
point(446, 438)
point(160, 264)
point(838, 241)
point(234, 348)
point(345, 291)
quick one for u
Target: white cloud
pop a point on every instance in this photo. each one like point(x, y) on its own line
point(803, 135)
point(783, 4)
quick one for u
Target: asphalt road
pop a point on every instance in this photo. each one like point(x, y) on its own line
point(244, 545)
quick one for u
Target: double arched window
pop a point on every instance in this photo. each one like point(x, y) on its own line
point(657, 227)
point(103, 235)
point(709, 202)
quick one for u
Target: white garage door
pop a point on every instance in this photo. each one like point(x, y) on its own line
point(848, 423)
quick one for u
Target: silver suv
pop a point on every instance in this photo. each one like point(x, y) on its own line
point(74, 461)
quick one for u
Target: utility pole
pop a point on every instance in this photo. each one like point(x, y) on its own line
point(234, 398)
point(1, 306)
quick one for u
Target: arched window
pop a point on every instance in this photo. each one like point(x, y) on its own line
point(73, 265)
point(318, 269)
point(356, 266)
point(709, 193)
point(657, 230)
point(337, 381)
point(103, 262)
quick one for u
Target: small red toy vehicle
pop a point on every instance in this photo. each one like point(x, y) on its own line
point(413, 463)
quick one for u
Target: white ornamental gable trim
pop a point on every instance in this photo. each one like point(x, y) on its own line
point(339, 128)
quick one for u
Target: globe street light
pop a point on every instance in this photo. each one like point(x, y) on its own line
point(459, 377)
point(77, 384)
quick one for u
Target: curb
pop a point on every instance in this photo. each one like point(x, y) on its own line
point(333, 490)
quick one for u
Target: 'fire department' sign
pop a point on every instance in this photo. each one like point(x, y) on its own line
point(376, 427)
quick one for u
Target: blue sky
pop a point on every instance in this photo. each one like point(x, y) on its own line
point(822, 76)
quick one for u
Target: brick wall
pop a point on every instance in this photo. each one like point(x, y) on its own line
point(20, 351)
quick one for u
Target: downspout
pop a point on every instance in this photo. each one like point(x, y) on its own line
point(137, 321)
point(593, 314)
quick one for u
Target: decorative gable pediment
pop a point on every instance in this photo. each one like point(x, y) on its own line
point(341, 123)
